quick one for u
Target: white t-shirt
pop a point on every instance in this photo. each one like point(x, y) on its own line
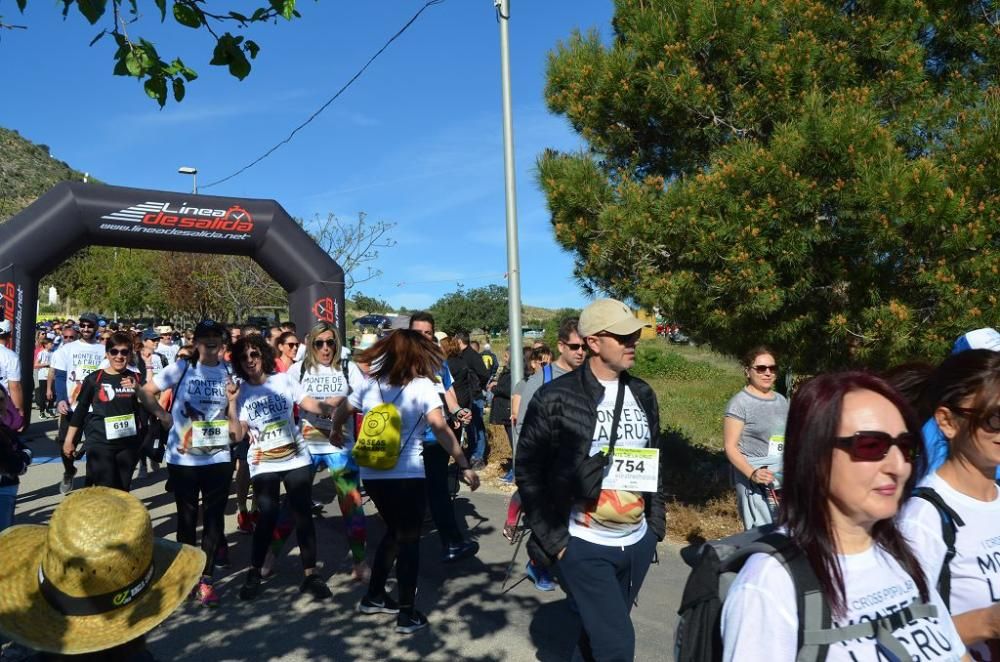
point(43, 359)
point(975, 570)
point(199, 413)
point(324, 382)
point(78, 359)
point(276, 444)
point(601, 523)
point(760, 620)
point(10, 367)
point(156, 362)
point(169, 351)
point(414, 401)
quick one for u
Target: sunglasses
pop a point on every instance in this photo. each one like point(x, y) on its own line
point(630, 339)
point(573, 346)
point(988, 422)
point(114, 351)
point(250, 356)
point(761, 369)
point(319, 344)
point(293, 345)
point(69, 337)
point(86, 325)
point(874, 445)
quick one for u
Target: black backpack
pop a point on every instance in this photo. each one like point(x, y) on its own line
point(714, 566)
point(950, 521)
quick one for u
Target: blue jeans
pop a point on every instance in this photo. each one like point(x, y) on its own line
point(478, 429)
point(8, 498)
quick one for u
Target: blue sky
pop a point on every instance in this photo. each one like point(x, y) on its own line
point(415, 141)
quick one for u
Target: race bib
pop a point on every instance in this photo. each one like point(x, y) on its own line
point(776, 445)
point(632, 469)
point(119, 427)
point(276, 435)
point(206, 434)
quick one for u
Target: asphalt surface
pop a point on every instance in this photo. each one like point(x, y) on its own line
point(471, 618)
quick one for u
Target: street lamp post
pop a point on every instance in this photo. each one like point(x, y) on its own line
point(187, 170)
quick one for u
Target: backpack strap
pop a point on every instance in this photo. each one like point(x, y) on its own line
point(880, 629)
point(546, 373)
point(950, 521)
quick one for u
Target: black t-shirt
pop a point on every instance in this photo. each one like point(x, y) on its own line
point(107, 407)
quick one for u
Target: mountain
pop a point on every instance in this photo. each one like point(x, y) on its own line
point(26, 171)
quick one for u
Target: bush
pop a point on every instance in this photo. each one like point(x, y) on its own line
point(654, 360)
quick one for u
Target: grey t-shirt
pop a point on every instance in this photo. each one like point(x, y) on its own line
point(529, 389)
point(762, 418)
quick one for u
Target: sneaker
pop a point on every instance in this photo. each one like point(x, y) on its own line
point(221, 556)
point(66, 486)
point(244, 522)
point(317, 508)
point(251, 588)
point(541, 577)
point(316, 587)
point(508, 477)
point(153, 467)
point(410, 621)
point(205, 594)
point(385, 605)
point(460, 551)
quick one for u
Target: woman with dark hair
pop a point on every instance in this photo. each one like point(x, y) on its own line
point(197, 452)
point(754, 437)
point(287, 345)
point(262, 406)
point(324, 376)
point(963, 394)
point(852, 457)
point(107, 411)
point(403, 366)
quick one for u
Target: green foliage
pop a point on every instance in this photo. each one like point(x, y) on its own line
point(551, 326)
point(655, 360)
point(370, 304)
point(480, 308)
point(138, 58)
point(817, 176)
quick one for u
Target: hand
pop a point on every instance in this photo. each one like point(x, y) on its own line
point(166, 420)
point(50, 396)
point(68, 448)
point(470, 478)
point(762, 476)
point(63, 407)
point(232, 390)
point(337, 436)
point(464, 415)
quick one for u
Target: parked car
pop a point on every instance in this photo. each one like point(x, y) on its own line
point(373, 322)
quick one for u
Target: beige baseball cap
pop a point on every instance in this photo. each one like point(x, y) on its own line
point(608, 315)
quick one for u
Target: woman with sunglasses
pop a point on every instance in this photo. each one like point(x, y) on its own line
point(288, 347)
point(106, 411)
point(325, 377)
point(403, 366)
point(262, 407)
point(753, 434)
point(197, 453)
point(852, 459)
point(963, 395)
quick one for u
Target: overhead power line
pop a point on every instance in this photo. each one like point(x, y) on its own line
point(346, 85)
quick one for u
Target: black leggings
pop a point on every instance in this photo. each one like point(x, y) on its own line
point(401, 503)
point(442, 509)
point(298, 488)
point(211, 481)
point(68, 467)
point(111, 466)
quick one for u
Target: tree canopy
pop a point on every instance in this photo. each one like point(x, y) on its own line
point(821, 176)
point(479, 308)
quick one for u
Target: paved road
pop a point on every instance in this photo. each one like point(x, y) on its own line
point(471, 619)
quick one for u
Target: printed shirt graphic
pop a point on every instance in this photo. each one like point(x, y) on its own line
point(759, 613)
point(975, 570)
point(106, 410)
point(78, 359)
point(276, 444)
point(617, 518)
point(418, 398)
point(199, 402)
point(324, 382)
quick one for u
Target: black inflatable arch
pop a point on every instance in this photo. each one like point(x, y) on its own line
point(72, 215)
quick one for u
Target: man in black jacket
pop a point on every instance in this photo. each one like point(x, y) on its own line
point(482, 373)
point(601, 547)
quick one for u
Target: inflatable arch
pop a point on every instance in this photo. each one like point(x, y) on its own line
point(72, 215)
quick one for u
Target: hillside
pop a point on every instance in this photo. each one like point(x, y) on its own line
point(26, 171)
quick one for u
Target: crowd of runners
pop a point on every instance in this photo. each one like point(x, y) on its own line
point(876, 493)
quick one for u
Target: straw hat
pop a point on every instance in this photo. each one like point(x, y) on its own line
point(94, 578)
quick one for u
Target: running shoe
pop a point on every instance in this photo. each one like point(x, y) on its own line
point(541, 577)
point(316, 587)
point(317, 508)
point(508, 477)
point(384, 605)
point(460, 551)
point(244, 522)
point(251, 589)
point(66, 486)
point(205, 594)
point(222, 556)
point(410, 621)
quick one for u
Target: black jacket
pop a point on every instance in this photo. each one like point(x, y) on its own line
point(556, 437)
point(475, 363)
point(462, 379)
point(500, 409)
point(15, 457)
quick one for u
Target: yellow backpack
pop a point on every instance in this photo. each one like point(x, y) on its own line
point(377, 444)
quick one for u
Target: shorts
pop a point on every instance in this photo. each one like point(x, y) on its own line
point(342, 462)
